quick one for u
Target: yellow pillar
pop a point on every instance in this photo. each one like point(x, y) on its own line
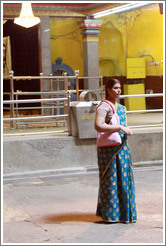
point(135, 72)
point(135, 103)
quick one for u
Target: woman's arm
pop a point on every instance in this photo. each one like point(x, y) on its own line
point(101, 126)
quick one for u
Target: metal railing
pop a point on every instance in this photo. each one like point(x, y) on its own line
point(62, 96)
point(50, 102)
point(143, 111)
point(42, 117)
point(145, 96)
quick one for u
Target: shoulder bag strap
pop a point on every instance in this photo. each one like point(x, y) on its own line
point(110, 105)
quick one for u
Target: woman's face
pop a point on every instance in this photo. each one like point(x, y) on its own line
point(115, 91)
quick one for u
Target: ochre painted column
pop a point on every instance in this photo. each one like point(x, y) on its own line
point(90, 31)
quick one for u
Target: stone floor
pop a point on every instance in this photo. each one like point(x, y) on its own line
point(61, 210)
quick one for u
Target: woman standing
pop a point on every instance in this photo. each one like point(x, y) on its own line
point(116, 198)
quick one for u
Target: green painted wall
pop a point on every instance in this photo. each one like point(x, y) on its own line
point(131, 34)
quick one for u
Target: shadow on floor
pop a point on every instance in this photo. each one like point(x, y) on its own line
point(66, 217)
point(73, 217)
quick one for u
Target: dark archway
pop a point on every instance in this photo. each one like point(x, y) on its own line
point(25, 56)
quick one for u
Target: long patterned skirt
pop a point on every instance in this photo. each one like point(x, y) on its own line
point(116, 198)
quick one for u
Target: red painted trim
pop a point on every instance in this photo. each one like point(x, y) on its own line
point(76, 6)
point(100, 146)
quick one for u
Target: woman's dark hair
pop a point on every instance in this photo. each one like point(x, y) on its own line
point(109, 84)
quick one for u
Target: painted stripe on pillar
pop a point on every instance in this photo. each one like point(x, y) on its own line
point(92, 39)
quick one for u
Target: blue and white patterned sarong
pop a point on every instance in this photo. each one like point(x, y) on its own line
point(116, 198)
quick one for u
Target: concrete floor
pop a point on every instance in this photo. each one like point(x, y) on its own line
point(62, 209)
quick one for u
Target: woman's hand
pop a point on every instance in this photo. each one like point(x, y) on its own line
point(126, 130)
